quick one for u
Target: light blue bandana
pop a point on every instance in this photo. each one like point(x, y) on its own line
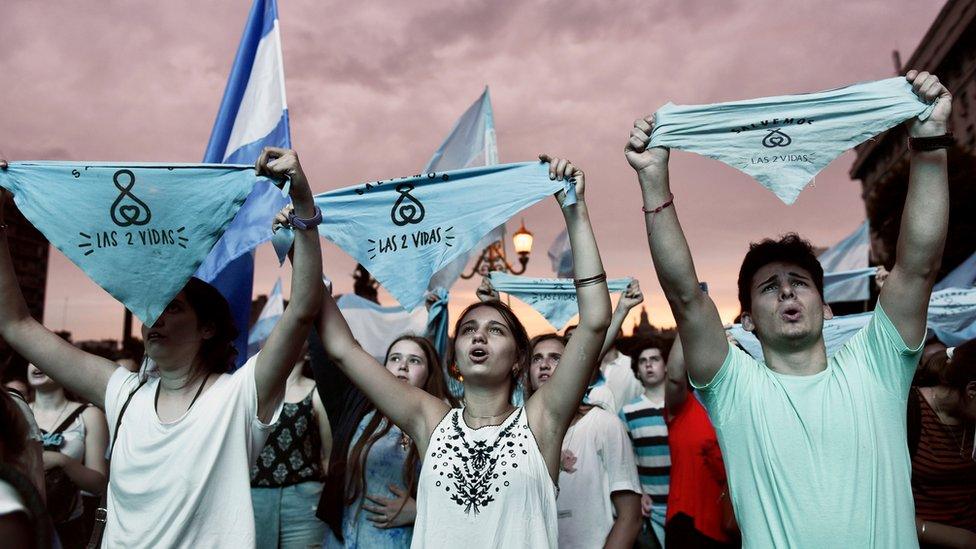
point(836, 332)
point(783, 142)
point(404, 230)
point(138, 230)
point(952, 315)
point(553, 298)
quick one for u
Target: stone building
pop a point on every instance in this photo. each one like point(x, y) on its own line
point(948, 50)
point(29, 251)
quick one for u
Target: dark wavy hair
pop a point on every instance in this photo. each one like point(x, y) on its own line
point(13, 431)
point(379, 426)
point(216, 354)
point(523, 348)
point(790, 248)
point(661, 344)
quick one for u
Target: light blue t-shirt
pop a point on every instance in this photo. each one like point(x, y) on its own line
point(820, 460)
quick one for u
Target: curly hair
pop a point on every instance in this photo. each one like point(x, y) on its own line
point(790, 248)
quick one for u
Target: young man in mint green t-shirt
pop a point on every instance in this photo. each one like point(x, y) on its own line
point(815, 448)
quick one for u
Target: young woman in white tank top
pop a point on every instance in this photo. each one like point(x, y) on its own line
point(489, 468)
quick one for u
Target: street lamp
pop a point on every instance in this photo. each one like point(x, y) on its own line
point(493, 256)
point(522, 240)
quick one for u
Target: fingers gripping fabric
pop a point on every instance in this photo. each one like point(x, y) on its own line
point(137, 230)
point(784, 141)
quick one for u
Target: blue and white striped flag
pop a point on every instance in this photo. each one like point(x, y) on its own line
point(253, 114)
point(849, 254)
point(561, 256)
point(267, 320)
point(963, 276)
point(952, 315)
point(375, 327)
point(470, 144)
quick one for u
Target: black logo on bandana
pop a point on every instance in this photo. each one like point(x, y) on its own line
point(134, 213)
point(776, 138)
point(407, 209)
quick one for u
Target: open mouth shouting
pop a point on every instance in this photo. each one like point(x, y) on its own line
point(791, 313)
point(478, 354)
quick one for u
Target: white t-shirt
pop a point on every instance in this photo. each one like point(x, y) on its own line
point(604, 463)
point(185, 483)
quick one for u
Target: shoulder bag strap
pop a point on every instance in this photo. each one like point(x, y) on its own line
point(101, 513)
point(71, 417)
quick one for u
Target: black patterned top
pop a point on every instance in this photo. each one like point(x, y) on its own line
point(293, 451)
point(485, 487)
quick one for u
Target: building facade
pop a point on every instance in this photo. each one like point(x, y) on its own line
point(29, 251)
point(948, 50)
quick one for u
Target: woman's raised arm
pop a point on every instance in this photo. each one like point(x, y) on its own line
point(553, 406)
point(410, 408)
point(280, 353)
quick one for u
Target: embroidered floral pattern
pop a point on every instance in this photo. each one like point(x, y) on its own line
point(473, 472)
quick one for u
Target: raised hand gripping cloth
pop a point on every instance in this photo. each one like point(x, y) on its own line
point(553, 298)
point(137, 230)
point(404, 230)
point(783, 142)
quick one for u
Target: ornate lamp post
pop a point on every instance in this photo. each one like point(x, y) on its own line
point(493, 257)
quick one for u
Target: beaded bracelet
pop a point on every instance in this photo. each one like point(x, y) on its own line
point(667, 203)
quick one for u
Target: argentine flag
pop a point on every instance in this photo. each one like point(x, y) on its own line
point(471, 143)
point(963, 276)
point(850, 254)
point(266, 322)
point(253, 114)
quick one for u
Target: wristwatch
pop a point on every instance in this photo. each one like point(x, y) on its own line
point(305, 224)
point(931, 143)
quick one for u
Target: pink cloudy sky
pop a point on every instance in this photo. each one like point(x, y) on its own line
point(373, 88)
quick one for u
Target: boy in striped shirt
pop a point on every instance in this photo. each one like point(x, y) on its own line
point(644, 418)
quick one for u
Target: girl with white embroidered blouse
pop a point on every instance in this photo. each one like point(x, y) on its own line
point(489, 472)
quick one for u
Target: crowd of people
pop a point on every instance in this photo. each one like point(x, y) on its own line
point(556, 440)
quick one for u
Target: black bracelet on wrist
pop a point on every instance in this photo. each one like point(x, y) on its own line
point(932, 143)
point(590, 280)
